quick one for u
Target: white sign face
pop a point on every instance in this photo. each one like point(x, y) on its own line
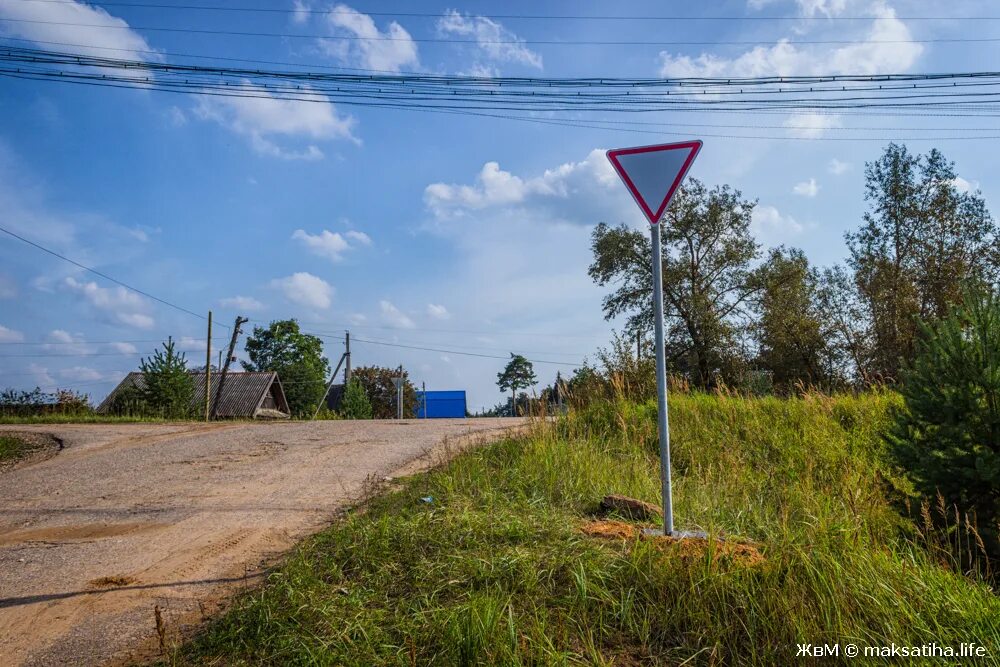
point(653, 173)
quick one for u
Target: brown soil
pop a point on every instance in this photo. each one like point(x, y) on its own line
point(687, 549)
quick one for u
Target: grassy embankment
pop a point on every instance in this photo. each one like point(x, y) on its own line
point(496, 571)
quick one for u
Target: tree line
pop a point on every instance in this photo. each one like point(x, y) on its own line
point(771, 321)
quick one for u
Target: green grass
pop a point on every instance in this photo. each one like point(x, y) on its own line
point(12, 447)
point(496, 572)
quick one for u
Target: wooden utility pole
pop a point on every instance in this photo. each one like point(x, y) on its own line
point(347, 358)
point(240, 321)
point(208, 369)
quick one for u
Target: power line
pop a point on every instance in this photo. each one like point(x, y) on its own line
point(466, 354)
point(544, 42)
point(102, 275)
point(546, 17)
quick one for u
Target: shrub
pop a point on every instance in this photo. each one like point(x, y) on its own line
point(355, 404)
point(947, 436)
point(169, 387)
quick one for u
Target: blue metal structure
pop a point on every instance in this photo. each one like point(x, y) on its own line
point(441, 404)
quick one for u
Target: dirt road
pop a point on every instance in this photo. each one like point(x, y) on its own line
point(129, 517)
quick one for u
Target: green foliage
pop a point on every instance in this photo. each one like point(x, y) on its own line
point(169, 389)
point(790, 329)
point(12, 447)
point(380, 389)
point(708, 278)
point(298, 360)
point(20, 404)
point(948, 435)
point(518, 374)
point(495, 571)
point(921, 239)
point(355, 404)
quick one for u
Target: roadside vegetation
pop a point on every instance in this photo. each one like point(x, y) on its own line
point(12, 448)
point(485, 561)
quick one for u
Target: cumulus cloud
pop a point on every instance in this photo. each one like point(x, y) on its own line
point(884, 48)
point(394, 316)
point(330, 245)
point(579, 192)
point(124, 348)
point(838, 167)
point(368, 47)
point(264, 118)
point(300, 11)
point(806, 188)
point(63, 342)
point(241, 303)
point(495, 42)
point(77, 23)
point(306, 290)
point(360, 237)
point(438, 312)
point(117, 303)
point(773, 227)
point(10, 335)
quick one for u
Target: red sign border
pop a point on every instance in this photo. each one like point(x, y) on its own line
point(694, 146)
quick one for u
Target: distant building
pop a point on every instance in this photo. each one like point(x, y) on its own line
point(244, 395)
point(440, 404)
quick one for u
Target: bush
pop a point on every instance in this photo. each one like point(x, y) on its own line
point(169, 387)
point(947, 436)
point(355, 404)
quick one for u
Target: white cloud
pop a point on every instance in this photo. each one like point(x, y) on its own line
point(370, 48)
point(74, 23)
point(331, 245)
point(438, 312)
point(190, 344)
point(121, 305)
point(828, 8)
point(80, 374)
point(300, 11)
point(772, 226)
point(124, 348)
point(10, 336)
point(806, 188)
point(837, 167)
point(886, 47)
point(241, 303)
point(357, 318)
point(394, 316)
point(811, 125)
point(63, 342)
point(963, 185)
point(177, 116)
point(263, 118)
point(306, 290)
point(581, 192)
point(40, 376)
point(360, 237)
point(495, 42)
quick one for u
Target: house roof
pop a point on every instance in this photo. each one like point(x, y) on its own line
point(242, 394)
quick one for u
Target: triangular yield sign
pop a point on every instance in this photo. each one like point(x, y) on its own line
point(652, 173)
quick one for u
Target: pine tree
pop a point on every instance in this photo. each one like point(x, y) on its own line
point(169, 387)
point(948, 434)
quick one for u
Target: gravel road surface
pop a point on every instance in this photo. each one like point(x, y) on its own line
point(129, 517)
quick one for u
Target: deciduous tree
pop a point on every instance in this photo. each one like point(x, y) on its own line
point(296, 357)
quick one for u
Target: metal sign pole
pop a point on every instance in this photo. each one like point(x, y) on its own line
point(661, 382)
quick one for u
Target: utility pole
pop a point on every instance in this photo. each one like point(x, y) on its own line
point(638, 345)
point(423, 397)
point(208, 368)
point(347, 358)
point(399, 393)
point(240, 321)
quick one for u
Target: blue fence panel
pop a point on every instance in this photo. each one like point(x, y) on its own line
point(441, 404)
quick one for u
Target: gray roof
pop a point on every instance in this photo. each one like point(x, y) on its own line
point(243, 393)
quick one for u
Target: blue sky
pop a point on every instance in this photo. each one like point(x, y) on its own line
point(426, 230)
